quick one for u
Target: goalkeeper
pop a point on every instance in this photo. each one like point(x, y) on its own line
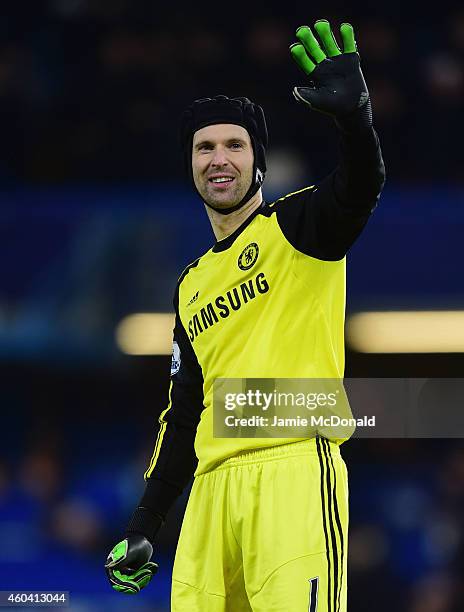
point(266, 523)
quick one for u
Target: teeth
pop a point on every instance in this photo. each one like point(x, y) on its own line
point(223, 179)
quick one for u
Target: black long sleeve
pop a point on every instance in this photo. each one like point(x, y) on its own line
point(174, 461)
point(324, 221)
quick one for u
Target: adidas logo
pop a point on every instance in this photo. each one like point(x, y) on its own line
point(193, 299)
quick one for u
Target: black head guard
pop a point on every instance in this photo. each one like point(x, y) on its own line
point(238, 111)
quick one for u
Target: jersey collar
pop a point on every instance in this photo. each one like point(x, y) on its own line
point(225, 243)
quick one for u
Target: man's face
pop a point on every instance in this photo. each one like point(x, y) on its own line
point(222, 164)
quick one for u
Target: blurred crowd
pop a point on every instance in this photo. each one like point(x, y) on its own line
point(92, 89)
point(406, 535)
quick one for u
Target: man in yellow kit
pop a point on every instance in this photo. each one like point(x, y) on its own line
point(265, 527)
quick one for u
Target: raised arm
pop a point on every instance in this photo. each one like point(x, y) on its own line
point(325, 220)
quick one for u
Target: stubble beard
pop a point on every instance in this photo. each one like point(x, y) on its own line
point(229, 199)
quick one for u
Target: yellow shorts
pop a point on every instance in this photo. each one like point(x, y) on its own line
point(266, 531)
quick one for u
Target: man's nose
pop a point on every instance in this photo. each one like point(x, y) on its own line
point(219, 157)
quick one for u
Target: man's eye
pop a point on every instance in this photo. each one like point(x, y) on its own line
point(236, 145)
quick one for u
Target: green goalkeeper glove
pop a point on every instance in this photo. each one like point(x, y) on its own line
point(337, 85)
point(128, 565)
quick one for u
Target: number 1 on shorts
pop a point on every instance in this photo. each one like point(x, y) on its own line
point(314, 584)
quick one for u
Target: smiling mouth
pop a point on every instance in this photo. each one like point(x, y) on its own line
point(223, 180)
point(222, 185)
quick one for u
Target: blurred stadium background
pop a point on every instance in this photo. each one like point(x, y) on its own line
point(97, 222)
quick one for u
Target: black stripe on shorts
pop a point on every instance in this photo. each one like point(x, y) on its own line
point(324, 496)
point(339, 525)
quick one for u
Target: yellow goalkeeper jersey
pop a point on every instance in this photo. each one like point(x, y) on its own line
point(262, 309)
